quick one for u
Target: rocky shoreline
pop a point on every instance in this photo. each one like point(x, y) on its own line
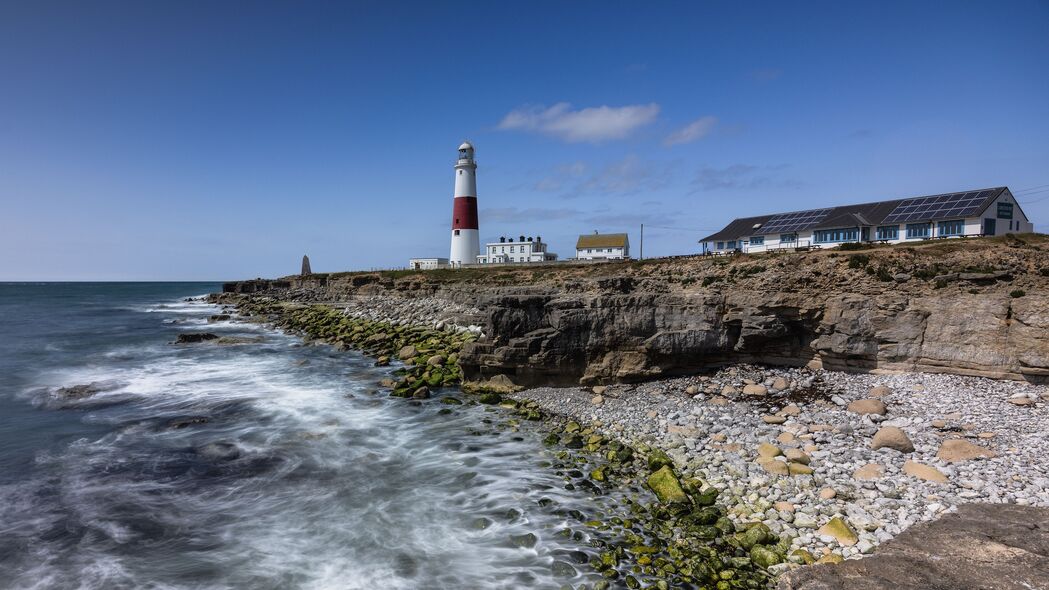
point(837, 462)
point(806, 465)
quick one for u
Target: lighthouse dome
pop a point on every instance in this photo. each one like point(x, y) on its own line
point(466, 146)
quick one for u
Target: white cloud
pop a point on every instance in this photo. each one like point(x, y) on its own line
point(593, 124)
point(697, 129)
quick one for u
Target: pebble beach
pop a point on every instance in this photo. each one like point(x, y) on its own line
point(838, 462)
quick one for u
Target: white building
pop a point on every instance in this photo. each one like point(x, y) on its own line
point(506, 250)
point(427, 263)
point(597, 246)
point(981, 212)
point(466, 243)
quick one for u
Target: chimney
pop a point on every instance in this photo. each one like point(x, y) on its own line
point(522, 238)
point(502, 240)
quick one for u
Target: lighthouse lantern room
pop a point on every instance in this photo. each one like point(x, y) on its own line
point(466, 243)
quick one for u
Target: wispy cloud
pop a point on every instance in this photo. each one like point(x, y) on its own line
point(592, 124)
point(697, 129)
point(742, 176)
point(514, 214)
point(627, 176)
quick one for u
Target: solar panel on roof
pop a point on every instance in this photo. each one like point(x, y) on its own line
point(939, 206)
point(797, 220)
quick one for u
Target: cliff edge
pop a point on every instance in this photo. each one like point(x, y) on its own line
point(972, 307)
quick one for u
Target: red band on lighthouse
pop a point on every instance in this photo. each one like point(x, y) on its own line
point(464, 213)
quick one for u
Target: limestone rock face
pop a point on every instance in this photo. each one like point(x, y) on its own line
point(1001, 546)
point(629, 322)
point(643, 333)
point(305, 266)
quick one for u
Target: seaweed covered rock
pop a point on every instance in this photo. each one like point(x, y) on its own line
point(666, 486)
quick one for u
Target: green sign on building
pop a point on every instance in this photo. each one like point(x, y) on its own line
point(1005, 210)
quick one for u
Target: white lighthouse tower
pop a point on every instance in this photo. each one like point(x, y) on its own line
point(466, 244)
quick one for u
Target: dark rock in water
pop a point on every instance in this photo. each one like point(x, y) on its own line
point(219, 451)
point(194, 337)
point(1000, 546)
point(422, 393)
point(305, 266)
point(563, 569)
point(220, 317)
point(180, 423)
point(228, 340)
point(527, 540)
point(79, 391)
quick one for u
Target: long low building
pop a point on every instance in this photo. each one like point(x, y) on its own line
point(982, 212)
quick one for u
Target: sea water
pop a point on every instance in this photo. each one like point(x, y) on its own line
point(267, 463)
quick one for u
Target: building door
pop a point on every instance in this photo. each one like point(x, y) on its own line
point(989, 226)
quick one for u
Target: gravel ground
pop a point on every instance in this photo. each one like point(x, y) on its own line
point(713, 427)
point(414, 311)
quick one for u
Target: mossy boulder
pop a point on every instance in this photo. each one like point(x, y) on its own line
point(490, 398)
point(840, 530)
point(757, 534)
point(803, 557)
point(707, 497)
point(764, 556)
point(657, 459)
point(666, 486)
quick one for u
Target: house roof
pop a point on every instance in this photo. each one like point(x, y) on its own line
point(601, 241)
point(910, 210)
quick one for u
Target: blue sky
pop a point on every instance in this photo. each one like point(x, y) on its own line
point(222, 140)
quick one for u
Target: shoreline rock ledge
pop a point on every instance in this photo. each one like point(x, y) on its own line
point(979, 547)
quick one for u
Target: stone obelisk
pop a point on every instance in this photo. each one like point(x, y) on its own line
point(305, 266)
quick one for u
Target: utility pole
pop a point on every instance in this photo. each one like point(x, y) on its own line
point(641, 254)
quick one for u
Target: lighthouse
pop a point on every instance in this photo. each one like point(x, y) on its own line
point(466, 243)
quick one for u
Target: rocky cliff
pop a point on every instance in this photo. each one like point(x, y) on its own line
point(976, 307)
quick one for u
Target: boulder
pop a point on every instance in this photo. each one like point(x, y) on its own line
point(755, 389)
point(868, 472)
point(840, 530)
point(769, 450)
point(657, 459)
point(867, 406)
point(770, 419)
point(597, 400)
point(79, 391)
point(880, 391)
point(666, 486)
point(764, 556)
point(799, 469)
point(958, 449)
point(407, 352)
point(774, 466)
point(436, 360)
point(981, 546)
point(599, 389)
point(780, 383)
point(891, 437)
point(421, 393)
point(194, 337)
point(925, 472)
point(797, 456)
